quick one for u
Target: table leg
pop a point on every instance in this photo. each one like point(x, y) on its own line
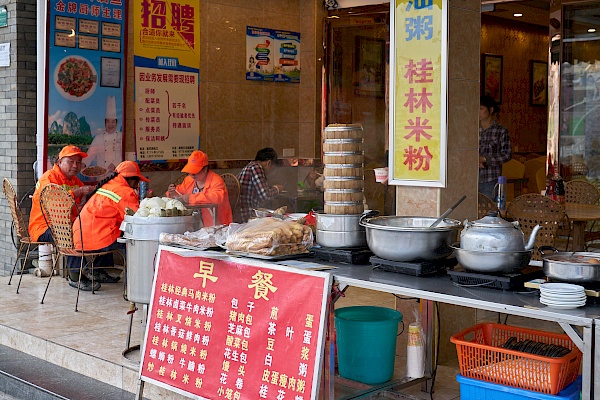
point(578, 235)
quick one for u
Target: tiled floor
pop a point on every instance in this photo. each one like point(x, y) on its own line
point(92, 340)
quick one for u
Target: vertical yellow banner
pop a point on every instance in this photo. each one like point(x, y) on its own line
point(418, 126)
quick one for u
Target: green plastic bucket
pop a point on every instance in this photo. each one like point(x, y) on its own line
point(366, 343)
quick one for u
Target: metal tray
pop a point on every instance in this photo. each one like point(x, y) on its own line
point(183, 246)
point(264, 257)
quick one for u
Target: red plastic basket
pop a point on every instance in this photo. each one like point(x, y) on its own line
point(481, 356)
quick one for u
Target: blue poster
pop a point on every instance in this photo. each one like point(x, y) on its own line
point(259, 54)
point(85, 82)
point(286, 46)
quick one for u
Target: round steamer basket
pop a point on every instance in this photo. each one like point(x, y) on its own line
point(351, 195)
point(344, 207)
point(343, 170)
point(330, 145)
point(343, 182)
point(343, 131)
point(343, 157)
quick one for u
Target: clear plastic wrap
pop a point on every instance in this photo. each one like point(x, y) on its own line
point(205, 238)
point(269, 237)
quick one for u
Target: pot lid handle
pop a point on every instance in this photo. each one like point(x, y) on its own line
point(368, 215)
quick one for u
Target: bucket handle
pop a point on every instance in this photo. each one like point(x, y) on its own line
point(402, 331)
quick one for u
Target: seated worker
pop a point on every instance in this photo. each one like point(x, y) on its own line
point(64, 174)
point(254, 189)
point(100, 220)
point(203, 186)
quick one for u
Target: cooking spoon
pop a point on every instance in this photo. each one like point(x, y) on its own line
point(448, 211)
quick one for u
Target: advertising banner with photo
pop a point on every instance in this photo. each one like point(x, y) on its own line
point(222, 328)
point(86, 82)
point(418, 101)
point(166, 49)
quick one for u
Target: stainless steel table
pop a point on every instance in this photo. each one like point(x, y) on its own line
point(441, 289)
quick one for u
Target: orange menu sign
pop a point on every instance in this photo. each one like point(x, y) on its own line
point(222, 329)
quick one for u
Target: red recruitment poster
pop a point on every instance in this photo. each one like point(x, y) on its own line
point(219, 328)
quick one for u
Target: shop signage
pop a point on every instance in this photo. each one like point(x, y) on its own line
point(3, 17)
point(166, 49)
point(272, 55)
point(418, 101)
point(85, 81)
point(234, 330)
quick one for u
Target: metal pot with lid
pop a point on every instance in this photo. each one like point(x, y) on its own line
point(494, 234)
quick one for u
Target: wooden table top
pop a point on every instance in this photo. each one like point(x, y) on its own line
point(582, 212)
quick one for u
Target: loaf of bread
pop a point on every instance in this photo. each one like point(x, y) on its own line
point(270, 237)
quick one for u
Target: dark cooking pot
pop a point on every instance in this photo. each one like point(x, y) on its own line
point(573, 267)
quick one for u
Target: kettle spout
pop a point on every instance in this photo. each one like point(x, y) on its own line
point(531, 241)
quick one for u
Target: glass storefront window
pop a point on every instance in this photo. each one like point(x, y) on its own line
point(579, 138)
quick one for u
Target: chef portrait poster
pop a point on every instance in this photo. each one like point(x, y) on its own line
point(85, 82)
point(166, 51)
point(418, 87)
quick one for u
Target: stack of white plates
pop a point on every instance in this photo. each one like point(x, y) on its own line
point(562, 295)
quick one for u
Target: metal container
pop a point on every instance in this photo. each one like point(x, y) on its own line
point(492, 262)
point(141, 235)
point(578, 267)
point(492, 233)
point(399, 238)
point(342, 239)
point(341, 230)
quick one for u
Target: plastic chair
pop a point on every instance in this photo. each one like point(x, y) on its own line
point(59, 210)
point(531, 168)
point(513, 169)
point(534, 209)
point(485, 205)
point(20, 228)
point(233, 191)
point(584, 192)
point(540, 179)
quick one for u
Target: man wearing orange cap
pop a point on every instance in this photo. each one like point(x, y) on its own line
point(203, 186)
point(64, 174)
point(97, 226)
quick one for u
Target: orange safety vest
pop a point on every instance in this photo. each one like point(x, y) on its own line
point(37, 223)
point(214, 191)
point(103, 213)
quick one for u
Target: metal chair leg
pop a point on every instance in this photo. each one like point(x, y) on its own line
point(23, 266)
point(49, 279)
point(21, 246)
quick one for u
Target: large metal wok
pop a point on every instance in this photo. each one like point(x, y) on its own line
point(573, 267)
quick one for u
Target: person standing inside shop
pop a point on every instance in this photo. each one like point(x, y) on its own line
point(203, 186)
point(106, 149)
point(494, 146)
point(254, 189)
point(64, 173)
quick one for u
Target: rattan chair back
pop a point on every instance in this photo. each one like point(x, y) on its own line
point(534, 209)
point(15, 209)
point(179, 180)
point(485, 205)
point(233, 190)
point(582, 192)
point(58, 207)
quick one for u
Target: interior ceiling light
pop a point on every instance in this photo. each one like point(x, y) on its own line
point(517, 15)
point(499, 1)
point(592, 30)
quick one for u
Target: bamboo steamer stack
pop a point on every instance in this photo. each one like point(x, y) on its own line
point(343, 158)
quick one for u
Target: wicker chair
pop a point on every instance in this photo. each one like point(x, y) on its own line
point(59, 208)
point(179, 180)
point(584, 192)
point(534, 209)
point(20, 228)
point(233, 191)
point(485, 205)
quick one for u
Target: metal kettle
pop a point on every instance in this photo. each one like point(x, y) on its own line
point(493, 234)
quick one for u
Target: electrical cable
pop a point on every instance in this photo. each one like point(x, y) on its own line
point(437, 351)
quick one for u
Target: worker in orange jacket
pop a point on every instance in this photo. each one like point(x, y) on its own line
point(64, 173)
point(97, 226)
point(203, 186)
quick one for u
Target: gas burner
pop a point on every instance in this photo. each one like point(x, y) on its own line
point(514, 281)
point(413, 268)
point(355, 255)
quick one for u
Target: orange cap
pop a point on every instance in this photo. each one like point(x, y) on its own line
point(196, 161)
point(129, 169)
point(71, 150)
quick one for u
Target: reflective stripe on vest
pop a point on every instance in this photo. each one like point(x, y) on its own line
point(111, 195)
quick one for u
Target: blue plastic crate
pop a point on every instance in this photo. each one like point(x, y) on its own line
point(475, 389)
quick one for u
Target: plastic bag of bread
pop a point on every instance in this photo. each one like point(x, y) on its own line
point(205, 238)
point(269, 237)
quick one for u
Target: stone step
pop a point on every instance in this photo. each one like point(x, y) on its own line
point(29, 378)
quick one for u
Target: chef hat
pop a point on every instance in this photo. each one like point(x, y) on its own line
point(111, 108)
